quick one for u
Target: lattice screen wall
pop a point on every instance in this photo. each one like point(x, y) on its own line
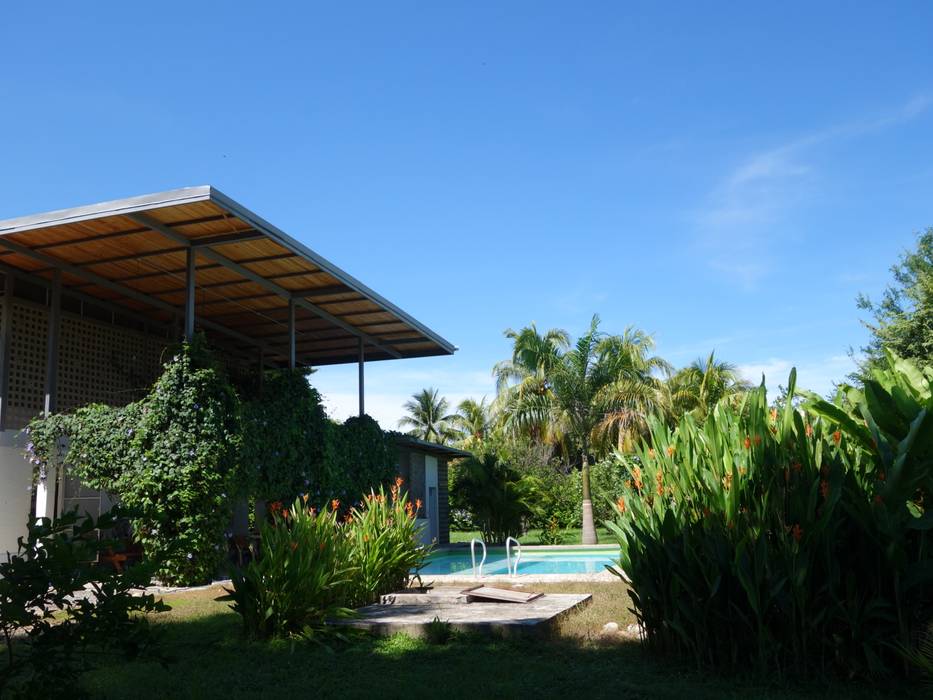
point(97, 362)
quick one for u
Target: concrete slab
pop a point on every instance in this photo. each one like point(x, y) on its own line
point(412, 612)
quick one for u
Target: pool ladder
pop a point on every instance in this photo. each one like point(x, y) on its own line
point(510, 570)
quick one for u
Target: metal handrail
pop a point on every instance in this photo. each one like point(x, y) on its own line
point(508, 555)
point(473, 556)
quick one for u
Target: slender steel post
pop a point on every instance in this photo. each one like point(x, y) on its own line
point(6, 336)
point(189, 296)
point(362, 362)
point(51, 357)
point(291, 334)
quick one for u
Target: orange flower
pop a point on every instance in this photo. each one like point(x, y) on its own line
point(398, 482)
point(727, 481)
point(284, 513)
point(757, 440)
point(636, 475)
point(651, 452)
point(808, 430)
point(365, 538)
point(417, 504)
point(335, 504)
point(774, 414)
point(837, 437)
point(311, 511)
point(797, 532)
point(824, 488)
point(409, 509)
point(620, 504)
point(305, 498)
point(659, 478)
point(748, 442)
point(322, 546)
point(670, 450)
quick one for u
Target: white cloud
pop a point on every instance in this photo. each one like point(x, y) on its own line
point(750, 200)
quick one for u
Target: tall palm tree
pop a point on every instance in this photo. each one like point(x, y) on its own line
point(602, 383)
point(699, 386)
point(526, 373)
point(473, 421)
point(427, 417)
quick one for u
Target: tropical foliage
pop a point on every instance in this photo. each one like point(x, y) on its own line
point(902, 321)
point(171, 457)
point(315, 565)
point(499, 498)
point(792, 541)
point(51, 630)
point(698, 387)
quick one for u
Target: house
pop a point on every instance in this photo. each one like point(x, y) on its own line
point(92, 296)
point(423, 466)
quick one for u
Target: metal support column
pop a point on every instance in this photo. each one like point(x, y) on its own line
point(291, 334)
point(6, 336)
point(51, 357)
point(189, 296)
point(362, 362)
point(47, 488)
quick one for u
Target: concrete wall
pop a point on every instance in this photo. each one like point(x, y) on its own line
point(15, 491)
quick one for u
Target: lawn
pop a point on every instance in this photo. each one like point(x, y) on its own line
point(533, 537)
point(213, 661)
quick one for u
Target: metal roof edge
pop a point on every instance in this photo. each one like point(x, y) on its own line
point(299, 248)
point(114, 207)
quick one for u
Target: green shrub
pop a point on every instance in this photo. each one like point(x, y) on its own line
point(358, 457)
point(313, 566)
point(53, 635)
point(300, 577)
point(788, 541)
point(500, 499)
point(282, 449)
point(171, 457)
point(384, 546)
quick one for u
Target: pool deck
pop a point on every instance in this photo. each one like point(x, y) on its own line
point(411, 612)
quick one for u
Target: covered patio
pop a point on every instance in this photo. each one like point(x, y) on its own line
point(93, 295)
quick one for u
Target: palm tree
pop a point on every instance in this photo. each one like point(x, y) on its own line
point(600, 385)
point(427, 417)
point(473, 420)
point(526, 373)
point(698, 387)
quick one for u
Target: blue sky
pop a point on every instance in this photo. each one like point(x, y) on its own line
point(723, 176)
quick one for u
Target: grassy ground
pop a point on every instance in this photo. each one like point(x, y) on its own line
point(533, 537)
point(213, 661)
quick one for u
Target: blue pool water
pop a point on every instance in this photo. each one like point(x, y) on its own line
point(550, 561)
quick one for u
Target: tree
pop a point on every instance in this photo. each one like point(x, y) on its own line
point(600, 385)
point(698, 387)
point(427, 417)
point(903, 320)
point(473, 421)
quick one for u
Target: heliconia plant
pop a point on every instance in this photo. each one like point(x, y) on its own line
point(317, 565)
point(791, 538)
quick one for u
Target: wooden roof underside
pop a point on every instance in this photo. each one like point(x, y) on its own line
point(132, 253)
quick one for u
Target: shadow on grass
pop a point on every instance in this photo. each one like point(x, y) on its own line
point(212, 660)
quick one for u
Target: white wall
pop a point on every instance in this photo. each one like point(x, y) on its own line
point(15, 493)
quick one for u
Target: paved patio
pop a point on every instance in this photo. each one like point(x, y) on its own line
point(412, 612)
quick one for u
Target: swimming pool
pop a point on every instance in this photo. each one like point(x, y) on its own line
point(533, 561)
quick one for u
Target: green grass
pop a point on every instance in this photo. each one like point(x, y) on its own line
point(533, 537)
point(213, 661)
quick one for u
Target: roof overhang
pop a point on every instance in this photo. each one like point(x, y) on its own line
point(413, 443)
point(250, 276)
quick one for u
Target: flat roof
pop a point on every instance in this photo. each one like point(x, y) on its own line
point(410, 441)
point(250, 276)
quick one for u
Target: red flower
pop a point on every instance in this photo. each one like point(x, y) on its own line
point(808, 430)
point(837, 437)
point(748, 442)
point(620, 504)
point(335, 504)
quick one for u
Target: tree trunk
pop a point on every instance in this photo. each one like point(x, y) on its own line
point(589, 531)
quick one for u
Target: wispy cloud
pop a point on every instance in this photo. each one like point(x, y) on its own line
point(747, 202)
